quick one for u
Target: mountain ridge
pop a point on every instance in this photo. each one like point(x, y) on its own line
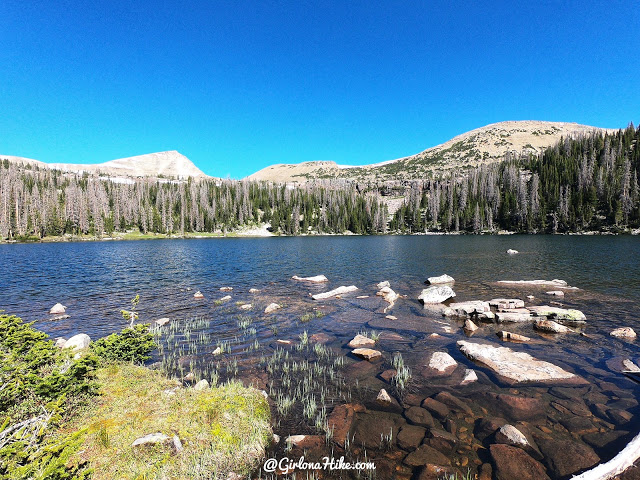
point(481, 145)
point(169, 163)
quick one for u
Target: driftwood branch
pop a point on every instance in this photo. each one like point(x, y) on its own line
point(27, 429)
point(616, 465)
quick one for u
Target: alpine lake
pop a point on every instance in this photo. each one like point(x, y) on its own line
point(433, 425)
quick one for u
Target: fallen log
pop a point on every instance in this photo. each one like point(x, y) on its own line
point(616, 465)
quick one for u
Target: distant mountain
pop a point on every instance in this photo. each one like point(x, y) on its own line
point(483, 145)
point(161, 164)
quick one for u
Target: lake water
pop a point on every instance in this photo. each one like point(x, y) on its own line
point(95, 280)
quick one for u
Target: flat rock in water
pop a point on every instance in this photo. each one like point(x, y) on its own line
point(550, 326)
point(468, 308)
point(198, 294)
point(505, 303)
point(509, 317)
point(226, 298)
point(321, 337)
point(623, 332)
point(517, 367)
point(246, 306)
point(316, 279)
point(383, 284)
point(253, 290)
point(558, 313)
point(367, 353)
point(58, 309)
point(361, 341)
point(511, 251)
point(337, 291)
point(442, 279)
point(436, 294)
point(512, 337)
point(226, 289)
point(272, 307)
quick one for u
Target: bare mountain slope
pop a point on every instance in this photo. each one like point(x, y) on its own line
point(482, 145)
point(166, 164)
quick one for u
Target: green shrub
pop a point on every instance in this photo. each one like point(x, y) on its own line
point(133, 344)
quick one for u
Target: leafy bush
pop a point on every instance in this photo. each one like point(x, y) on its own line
point(133, 344)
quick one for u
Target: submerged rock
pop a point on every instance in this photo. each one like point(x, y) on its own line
point(512, 337)
point(623, 332)
point(442, 279)
point(316, 279)
point(341, 419)
point(246, 306)
point(514, 463)
point(58, 309)
point(332, 293)
point(272, 307)
point(516, 367)
point(424, 455)
point(436, 294)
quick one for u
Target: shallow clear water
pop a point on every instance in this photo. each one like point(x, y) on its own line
point(95, 280)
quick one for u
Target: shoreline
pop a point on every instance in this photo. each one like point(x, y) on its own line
point(253, 233)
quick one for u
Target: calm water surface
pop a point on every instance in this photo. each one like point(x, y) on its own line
point(95, 280)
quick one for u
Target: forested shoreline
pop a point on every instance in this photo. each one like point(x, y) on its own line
point(583, 184)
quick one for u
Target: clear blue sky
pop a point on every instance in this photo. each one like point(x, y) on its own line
point(239, 85)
